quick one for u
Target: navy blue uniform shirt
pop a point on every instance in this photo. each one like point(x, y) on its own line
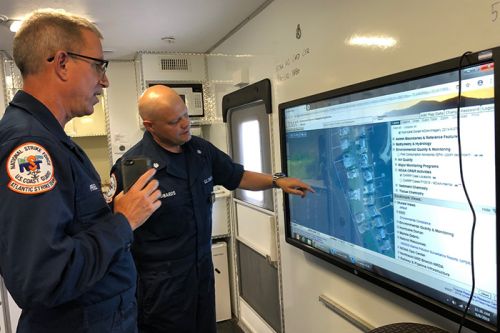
point(60, 244)
point(182, 226)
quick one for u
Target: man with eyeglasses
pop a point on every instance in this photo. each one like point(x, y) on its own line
point(64, 255)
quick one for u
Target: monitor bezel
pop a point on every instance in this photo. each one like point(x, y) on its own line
point(476, 58)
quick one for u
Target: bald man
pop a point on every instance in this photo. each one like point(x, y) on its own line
point(172, 250)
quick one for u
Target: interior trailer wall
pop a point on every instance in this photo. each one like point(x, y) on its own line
point(301, 46)
point(124, 124)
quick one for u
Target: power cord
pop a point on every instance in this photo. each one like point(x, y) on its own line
point(460, 66)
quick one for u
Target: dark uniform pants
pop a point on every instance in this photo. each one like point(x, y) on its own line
point(116, 315)
point(177, 296)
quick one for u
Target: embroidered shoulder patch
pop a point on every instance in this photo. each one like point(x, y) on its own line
point(30, 169)
point(110, 193)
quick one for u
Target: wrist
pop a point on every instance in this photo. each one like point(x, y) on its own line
point(277, 176)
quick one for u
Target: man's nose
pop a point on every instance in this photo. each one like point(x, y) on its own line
point(104, 81)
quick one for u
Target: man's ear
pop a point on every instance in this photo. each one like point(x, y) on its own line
point(148, 125)
point(60, 65)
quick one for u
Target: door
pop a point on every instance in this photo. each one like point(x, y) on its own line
point(247, 112)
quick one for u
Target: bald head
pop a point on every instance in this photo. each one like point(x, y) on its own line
point(158, 101)
point(165, 116)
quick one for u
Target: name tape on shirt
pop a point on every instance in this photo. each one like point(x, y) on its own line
point(30, 169)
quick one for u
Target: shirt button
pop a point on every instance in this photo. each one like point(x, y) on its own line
point(128, 246)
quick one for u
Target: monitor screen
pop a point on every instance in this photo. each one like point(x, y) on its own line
point(400, 183)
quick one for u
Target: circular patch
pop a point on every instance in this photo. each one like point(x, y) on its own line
point(110, 193)
point(30, 169)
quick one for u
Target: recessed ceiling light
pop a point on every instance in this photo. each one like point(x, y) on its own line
point(15, 25)
point(372, 41)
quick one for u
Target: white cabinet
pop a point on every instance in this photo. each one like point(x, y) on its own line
point(221, 272)
point(2, 319)
point(92, 125)
point(220, 213)
point(9, 311)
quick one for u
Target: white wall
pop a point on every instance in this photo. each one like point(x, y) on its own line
point(122, 106)
point(428, 31)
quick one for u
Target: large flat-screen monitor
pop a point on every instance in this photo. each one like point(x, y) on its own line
point(400, 183)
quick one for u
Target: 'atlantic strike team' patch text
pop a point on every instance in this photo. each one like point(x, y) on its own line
point(30, 169)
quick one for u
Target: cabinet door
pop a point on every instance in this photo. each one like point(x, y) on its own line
point(92, 125)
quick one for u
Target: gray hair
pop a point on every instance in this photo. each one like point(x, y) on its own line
point(45, 32)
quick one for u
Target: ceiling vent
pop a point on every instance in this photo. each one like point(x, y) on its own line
point(174, 64)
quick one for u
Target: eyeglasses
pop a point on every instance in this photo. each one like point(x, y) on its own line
point(100, 64)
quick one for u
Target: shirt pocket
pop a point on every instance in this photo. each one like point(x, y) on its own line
point(172, 219)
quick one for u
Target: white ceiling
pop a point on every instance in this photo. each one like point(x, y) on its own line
point(129, 26)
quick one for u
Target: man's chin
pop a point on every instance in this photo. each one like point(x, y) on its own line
point(185, 138)
point(83, 113)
